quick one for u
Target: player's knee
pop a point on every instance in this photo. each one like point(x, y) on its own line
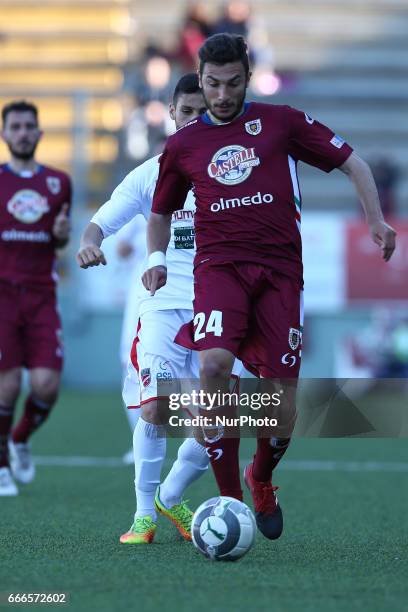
point(10, 384)
point(215, 366)
point(45, 386)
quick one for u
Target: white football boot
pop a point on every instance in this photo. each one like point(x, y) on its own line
point(21, 462)
point(8, 487)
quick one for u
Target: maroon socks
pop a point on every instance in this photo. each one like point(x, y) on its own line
point(35, 413)
point(269, 452)
point(6, 420)
point(224, 457)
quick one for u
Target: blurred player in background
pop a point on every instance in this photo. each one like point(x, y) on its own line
point(34, 223)
point(131, 247)
point(154, 355)
point(241, 158)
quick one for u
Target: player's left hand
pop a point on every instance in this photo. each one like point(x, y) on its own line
point(154, 278)
point(383, 235)
point(62, 224)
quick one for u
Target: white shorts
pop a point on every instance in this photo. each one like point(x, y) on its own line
point(155, 357)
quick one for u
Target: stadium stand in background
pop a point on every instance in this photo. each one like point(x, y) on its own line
point(344, 62)
point(68, 57)
point(101, 72)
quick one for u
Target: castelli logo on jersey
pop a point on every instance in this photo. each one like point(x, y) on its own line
point(257, 198)
point(233, 164)
point(27, 206)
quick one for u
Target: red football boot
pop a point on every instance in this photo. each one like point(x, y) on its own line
point(268, 512)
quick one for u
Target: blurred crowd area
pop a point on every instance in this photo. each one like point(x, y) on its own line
point(102, 73)
point(379, 349)
point(150, 82)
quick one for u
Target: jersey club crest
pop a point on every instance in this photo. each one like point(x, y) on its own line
point(54, 184)
point(294, 338)
point(254, 127)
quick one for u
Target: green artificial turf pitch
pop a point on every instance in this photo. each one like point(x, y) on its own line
point(344, 545)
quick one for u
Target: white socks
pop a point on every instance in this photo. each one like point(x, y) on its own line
point(191, 463)
point(149, 448)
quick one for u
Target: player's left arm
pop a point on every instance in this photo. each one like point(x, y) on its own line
point(61, 229)
point(359, 172)
point(314, 143)
point(158, 237)
point(170, 194)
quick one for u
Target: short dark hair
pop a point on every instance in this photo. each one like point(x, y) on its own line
point(188, 84)
point(223, 49)
point(19, 106)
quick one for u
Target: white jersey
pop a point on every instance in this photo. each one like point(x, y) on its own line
point(134, 197)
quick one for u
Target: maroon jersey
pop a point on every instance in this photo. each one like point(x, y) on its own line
point(28, 207)
point(244, 177)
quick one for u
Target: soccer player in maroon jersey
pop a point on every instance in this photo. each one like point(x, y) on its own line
point(34, 207)
point(241, 158)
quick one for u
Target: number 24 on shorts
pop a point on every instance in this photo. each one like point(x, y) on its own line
point(214, 324)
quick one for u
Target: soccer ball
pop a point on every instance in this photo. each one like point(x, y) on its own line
point(223, 529)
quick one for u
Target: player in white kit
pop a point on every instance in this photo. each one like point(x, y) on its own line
point(154, 355)
point(131, 247)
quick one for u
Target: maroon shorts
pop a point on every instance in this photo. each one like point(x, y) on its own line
point(251, 311)
point(30, 328)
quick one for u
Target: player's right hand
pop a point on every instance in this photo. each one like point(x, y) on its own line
point(90, 256)
point(154, 278)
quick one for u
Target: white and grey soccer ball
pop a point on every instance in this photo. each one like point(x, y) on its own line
point(223, 529)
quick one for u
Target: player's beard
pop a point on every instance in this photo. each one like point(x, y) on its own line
point(228, 118)
point(23, 155)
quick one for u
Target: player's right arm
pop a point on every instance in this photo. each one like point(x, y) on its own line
point(171, 192)
point(133, 196)
point(90, 253)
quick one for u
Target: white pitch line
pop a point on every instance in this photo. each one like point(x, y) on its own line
point(79, 461)
point(343, 466)
point(289, 465)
